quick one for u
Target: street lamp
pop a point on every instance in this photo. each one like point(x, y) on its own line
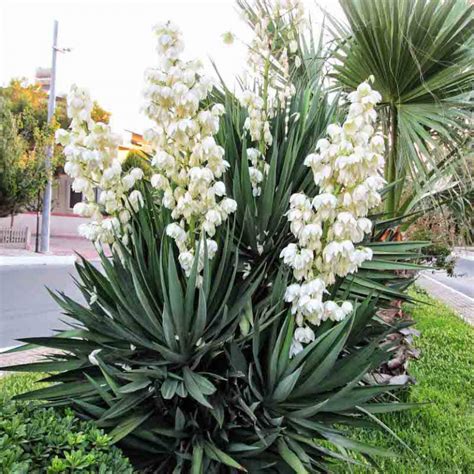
point(46, 216)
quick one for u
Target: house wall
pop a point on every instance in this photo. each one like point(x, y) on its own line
point(63, 222)
point(62, 225)
point(61, 192)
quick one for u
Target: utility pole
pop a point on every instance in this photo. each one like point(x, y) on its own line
point(45, 221)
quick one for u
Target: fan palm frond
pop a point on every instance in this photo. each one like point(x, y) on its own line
point(420, 54)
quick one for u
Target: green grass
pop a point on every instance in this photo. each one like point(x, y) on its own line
point(440, 432)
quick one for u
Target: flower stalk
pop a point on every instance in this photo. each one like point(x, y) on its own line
point(346, 169)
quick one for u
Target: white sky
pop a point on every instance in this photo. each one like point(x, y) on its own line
point(113, 44)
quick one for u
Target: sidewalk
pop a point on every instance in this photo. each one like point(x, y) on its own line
point(464, 252)
point(23, 357)
point(63, 251)
point(461, 303)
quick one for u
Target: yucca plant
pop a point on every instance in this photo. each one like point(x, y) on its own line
point(261, 221)
point(420, 53)
point(185, 350)
point(165, 369)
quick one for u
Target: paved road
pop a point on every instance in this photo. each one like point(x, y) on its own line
point(26, 308)
point(464, 279)
point(456, 292)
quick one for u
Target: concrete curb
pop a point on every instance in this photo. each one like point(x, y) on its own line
point(462, 304)
point(464, 252)
point(37, 260)
point(23, 357)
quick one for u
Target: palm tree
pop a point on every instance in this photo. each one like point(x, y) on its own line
point(420, 53)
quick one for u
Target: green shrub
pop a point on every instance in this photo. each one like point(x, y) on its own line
point(438, 253)
point(34, 439)
point(177, 380)
point(19, 383)
point(137, 159)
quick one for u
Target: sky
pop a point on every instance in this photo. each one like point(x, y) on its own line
point(112, 44)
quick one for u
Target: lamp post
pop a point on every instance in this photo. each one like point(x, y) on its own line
point(46, 215)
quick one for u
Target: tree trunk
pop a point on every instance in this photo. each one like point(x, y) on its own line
point(391, 167)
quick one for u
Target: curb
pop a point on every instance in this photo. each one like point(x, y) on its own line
point(37, 260)
point(464, 252)
point(25, 357)
point(462, 304)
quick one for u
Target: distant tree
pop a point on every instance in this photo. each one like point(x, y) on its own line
point(29, 105)
point(22, 173)
point(137, 159)
point(25, 135)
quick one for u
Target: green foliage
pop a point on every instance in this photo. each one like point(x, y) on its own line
point(22, 173)
point(192, 373)
point(420, 53)
point(36, 439)
point(438, 253)
point(261, 220)
point(137, 159)
point(440, 431)
point(19, 383)
point(164, 368)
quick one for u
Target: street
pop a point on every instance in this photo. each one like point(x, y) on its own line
point(26, 307)
point(463, 282)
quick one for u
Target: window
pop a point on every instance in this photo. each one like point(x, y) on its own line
point(74, 198)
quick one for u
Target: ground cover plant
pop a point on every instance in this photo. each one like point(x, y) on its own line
point(36, 439)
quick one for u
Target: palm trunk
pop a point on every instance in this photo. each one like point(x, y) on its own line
point(391, 167)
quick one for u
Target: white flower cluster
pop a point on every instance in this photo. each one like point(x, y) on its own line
point(92, 161)
point(188, 163)
point(346, 168)
point(258, 169)
point(257, 122)
point(271, 50)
